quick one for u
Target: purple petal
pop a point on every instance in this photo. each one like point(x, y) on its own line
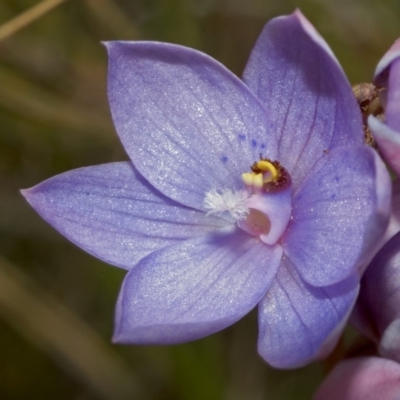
point(392, 110)
point(389, 346)
point(307, 96)
point(300, 323)
point(364, 378)
point(187, 123)
point(339, 215)
point(379, 300)
point(361, 318)
point(390, 56)
point(195, 288)
point(113, 213)
point(388, 141)
point(387, 135)
point(394, 222)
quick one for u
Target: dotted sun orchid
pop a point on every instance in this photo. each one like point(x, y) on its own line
point(239, 193)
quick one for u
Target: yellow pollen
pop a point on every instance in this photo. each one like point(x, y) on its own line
point(266, 166)
point(248, 178)
point(258, 181)
point(263, 173)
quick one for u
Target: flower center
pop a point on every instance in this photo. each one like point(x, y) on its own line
point(263, 207)
point(266, 176)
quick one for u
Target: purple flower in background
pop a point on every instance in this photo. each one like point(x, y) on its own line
point(237, 194)
point(377, 313)
point(387, 133)
point(364, 378)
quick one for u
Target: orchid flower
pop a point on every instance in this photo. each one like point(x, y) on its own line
point(364, 378)
point(377, 313)
point(387, 133)
point(239, 193)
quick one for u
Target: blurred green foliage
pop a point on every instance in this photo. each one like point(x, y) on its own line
point(56, 312)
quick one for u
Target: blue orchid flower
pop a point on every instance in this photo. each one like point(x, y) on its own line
point(239, 193)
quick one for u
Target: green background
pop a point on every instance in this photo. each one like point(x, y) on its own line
point(57, 302)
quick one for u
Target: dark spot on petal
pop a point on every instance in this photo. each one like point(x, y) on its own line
point(254, 142)
point(337, 179)
point(333, 196)
point(241, 137)
point(263, 145)
point(224, 159)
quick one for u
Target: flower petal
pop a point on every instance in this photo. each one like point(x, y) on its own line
point(113, 213)
point(379, 301)
point(389, 346)
point(361, 317)
point(339, 215)
point(300, 323)
point(394, 222)
point(363, 378)
point(307, 96)
point(195, 288)
point(390, 56)
point(388, 141)
point(187, 123)
point(392, 111)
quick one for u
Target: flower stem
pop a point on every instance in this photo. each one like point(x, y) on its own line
point(27, 17)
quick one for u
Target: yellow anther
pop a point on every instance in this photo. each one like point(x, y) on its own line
point(248, 178)
point(266, 166)
point(258, 180)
